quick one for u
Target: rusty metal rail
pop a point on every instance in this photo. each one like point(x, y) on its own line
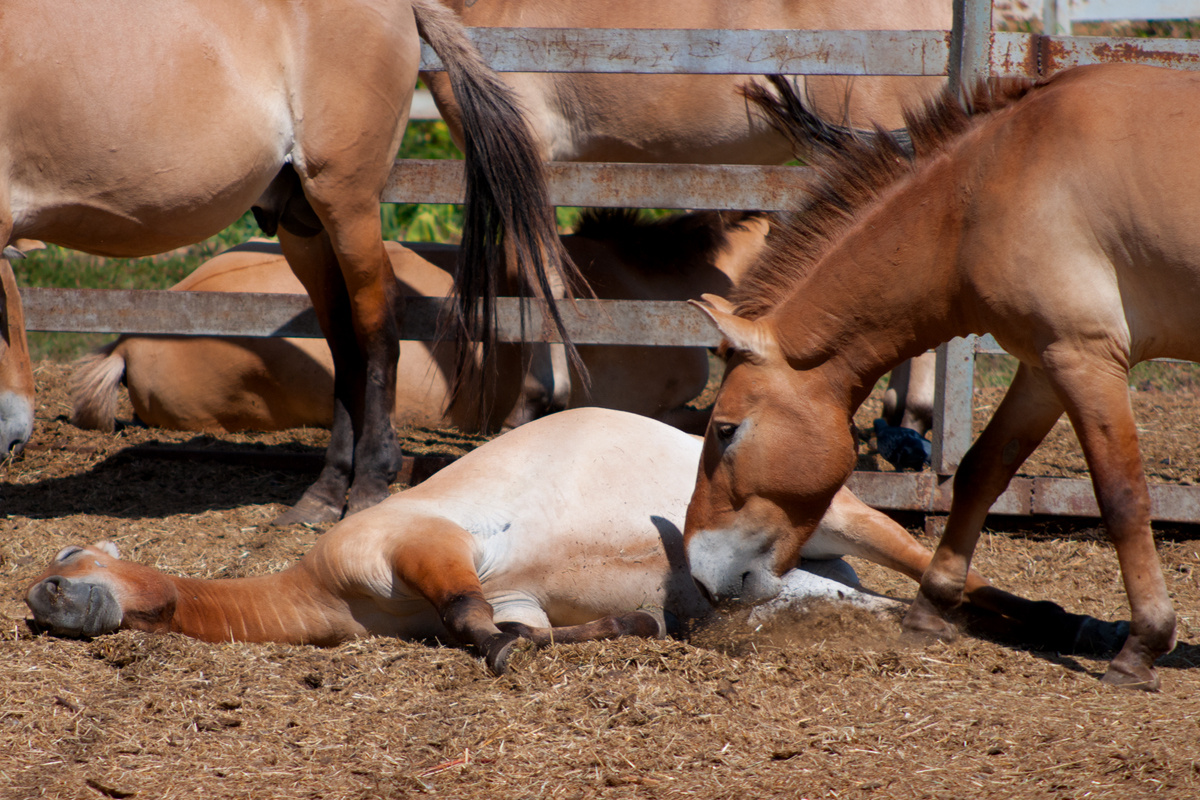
point(764, 52)
point(614, 185)
point(970, 51)
point(655, 323)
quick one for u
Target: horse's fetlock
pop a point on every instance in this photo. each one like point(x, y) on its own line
point(945, 594)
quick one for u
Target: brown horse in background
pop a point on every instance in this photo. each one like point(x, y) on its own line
point(217, 384)
point(296, 109)
point(699, 119)
point(1058, 216)
point(703, 119)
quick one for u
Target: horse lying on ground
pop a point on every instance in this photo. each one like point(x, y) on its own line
point(233, 383)
point(1060, 217)
point(296, 109)
point(562, 530)
point(703, 119)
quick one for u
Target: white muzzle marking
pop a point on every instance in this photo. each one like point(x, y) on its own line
point(733, 566)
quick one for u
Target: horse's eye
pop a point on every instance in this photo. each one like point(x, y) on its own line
point(725, 432)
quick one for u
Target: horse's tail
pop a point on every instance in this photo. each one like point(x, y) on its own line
point(94, 383)
point(785, 111)
point(508, 209)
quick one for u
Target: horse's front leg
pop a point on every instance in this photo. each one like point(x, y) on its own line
point(1028, 412)
point(645, 624)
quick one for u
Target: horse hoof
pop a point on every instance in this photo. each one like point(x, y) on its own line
point(498, 650)
point(308, 512)
point(361, 498)
point(643, 624)
point(1144, 678)
point(923, 622)
point(1096, 637)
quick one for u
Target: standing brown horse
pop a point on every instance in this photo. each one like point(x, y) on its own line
point(1060, 217)
point(131, 130)
point(700, 119)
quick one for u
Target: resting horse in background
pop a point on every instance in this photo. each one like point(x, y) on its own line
point(1059, 217)
point(703, 119)
point(296, 109)
point(241, 383)
point(563, 530)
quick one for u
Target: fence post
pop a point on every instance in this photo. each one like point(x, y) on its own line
point(970, 60)
point(1056, 17)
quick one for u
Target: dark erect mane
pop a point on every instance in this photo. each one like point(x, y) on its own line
point(851, 173)
point(676, 243)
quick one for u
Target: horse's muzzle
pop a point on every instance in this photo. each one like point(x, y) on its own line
point(75, 609)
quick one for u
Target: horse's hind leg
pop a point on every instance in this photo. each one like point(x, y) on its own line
point(1097, 402)
point(1028, 412)
point(436, 559)
point(908, 401)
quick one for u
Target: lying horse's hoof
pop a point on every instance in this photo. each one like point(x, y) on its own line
point(497, 651)
point(643, 624)
point(1097, 637)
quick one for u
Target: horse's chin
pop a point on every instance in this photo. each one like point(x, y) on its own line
point(73, 609)
point(732, 569)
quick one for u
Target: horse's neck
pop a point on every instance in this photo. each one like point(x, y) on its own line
point(284, 607)
point(886, 291)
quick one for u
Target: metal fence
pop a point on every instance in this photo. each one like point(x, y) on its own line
point(969, 51)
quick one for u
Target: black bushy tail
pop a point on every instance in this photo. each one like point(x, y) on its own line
point(785, 111)
point(507, 210)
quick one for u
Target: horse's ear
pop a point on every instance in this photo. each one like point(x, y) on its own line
point(744, 335)
point(108, 547)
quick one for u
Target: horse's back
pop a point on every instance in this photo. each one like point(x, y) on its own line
point(1089, 189)
point(132, 129)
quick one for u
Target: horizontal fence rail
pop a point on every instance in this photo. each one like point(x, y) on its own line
point(616, 185)
point(765, 52)
point(712, 52)
point(657, 323)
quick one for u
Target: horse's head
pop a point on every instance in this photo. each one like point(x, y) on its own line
point(87, 591)
point(777, 448)
point(16, 370)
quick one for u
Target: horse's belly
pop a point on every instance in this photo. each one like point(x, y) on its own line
point(145, 133)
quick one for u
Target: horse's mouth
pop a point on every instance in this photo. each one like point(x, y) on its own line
point(72, 609)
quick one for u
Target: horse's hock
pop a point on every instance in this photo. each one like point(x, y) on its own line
point(971, 50)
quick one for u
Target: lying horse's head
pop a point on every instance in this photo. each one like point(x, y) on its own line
point(87, 591)
point(777, 449)
point(16, 371)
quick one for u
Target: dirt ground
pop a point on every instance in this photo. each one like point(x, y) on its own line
point(829, 704)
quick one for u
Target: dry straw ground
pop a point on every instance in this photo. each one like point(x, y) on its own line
point(824, 705)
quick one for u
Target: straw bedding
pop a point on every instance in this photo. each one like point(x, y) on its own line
point(825, 704)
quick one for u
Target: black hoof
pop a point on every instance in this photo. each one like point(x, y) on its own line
point(497, 651)
point(1097, 637)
